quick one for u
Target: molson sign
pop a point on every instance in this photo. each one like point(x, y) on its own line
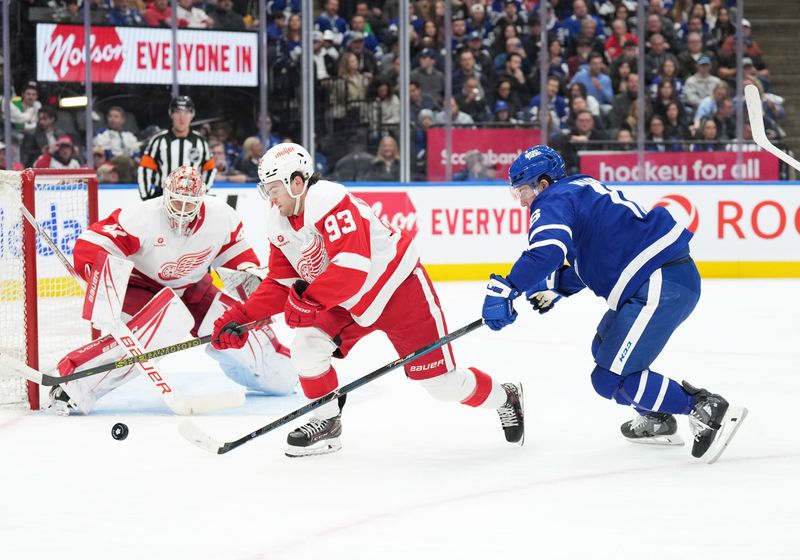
point(499, 147)
point(143, 55)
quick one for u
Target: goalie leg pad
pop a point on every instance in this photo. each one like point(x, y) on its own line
point(262, 364)
point(258, 365)
point(163, 321)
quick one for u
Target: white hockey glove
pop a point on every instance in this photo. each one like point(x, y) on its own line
point(543, 301)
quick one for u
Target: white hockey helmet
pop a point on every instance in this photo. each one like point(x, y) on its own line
point(184, 190)
point(280, 163)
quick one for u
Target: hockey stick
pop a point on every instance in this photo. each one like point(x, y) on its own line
point(756, 113)
point(195, 435)
point(125, 339)
point(31, 374)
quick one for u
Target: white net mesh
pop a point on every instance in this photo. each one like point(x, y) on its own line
point(12, 287)
point(62, 212)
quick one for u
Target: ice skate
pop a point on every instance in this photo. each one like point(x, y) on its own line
point(654, 428)
point(713, 423)
point(512, 415)
point(317, 437)
point(60, 402)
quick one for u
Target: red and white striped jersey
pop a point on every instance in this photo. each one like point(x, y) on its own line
point(347, 254)
point(161, 257)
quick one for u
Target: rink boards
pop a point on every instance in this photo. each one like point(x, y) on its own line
point(465, 231)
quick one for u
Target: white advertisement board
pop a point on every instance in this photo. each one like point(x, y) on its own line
point(462, 231)
point(143, 55)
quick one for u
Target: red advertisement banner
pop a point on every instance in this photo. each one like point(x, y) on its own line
point(139, 55)
point(621, 167)
point(499, 147)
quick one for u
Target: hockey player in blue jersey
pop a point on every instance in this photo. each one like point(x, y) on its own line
point(584, 234)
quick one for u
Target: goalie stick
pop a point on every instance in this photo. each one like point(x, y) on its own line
point(198, 437)
point(179, 405)
point(19, 368)
point(756, 114)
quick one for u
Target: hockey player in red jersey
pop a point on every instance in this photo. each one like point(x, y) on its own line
point(338, 273)
point(171, 242)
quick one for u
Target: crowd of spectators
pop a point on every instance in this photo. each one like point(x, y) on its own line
point(591, 90)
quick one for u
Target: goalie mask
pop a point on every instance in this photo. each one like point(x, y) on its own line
point(183, 196)
point(280, 163)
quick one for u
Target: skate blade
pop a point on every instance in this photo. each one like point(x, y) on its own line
point(734, 417)
point(322, 448)
point(674, 439)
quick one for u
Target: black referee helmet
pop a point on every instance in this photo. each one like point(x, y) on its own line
point(181, 102)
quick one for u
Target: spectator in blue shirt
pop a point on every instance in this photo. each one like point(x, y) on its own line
point(330, 19)
point(123, 14)
point(596, 81)
point(555, 102)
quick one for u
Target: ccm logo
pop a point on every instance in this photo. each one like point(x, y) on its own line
point(154, 376)
point(426, 367)
point(625, 351)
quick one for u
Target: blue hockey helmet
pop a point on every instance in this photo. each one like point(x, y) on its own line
point(533, 163)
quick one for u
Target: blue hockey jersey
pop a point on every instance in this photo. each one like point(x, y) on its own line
point(612, 243)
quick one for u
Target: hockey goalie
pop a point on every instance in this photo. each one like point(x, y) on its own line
point(166, 292)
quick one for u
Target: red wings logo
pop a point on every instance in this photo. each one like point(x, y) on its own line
point(185, 265)
point(314, 259)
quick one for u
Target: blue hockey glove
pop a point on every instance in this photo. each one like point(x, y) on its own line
point(543, 301)
point(498, 306)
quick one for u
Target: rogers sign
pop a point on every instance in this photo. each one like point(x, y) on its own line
point(671, 201)
point(394, 208)
point(759, 219)
point(66, 54)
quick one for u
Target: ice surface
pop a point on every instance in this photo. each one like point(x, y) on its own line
point(420, 479)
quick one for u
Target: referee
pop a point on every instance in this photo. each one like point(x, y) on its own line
point(172, 148)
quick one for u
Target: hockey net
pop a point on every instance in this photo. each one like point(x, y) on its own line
point(40, 303)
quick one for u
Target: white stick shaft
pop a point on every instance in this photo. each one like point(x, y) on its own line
point(756, 114)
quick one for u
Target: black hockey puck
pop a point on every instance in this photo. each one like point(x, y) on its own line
point(119, 431)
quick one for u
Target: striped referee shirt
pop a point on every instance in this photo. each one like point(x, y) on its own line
point(166, 152)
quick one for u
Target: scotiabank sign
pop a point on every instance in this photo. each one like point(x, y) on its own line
point(620, 167)
point(143, 55)
point(499, 147)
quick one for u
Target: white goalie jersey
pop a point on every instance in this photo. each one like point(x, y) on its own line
point(160, 256)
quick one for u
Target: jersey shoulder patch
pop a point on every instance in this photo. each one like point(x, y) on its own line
point(322, 197)
point(143, 220)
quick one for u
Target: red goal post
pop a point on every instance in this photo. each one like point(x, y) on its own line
point(40, 304)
